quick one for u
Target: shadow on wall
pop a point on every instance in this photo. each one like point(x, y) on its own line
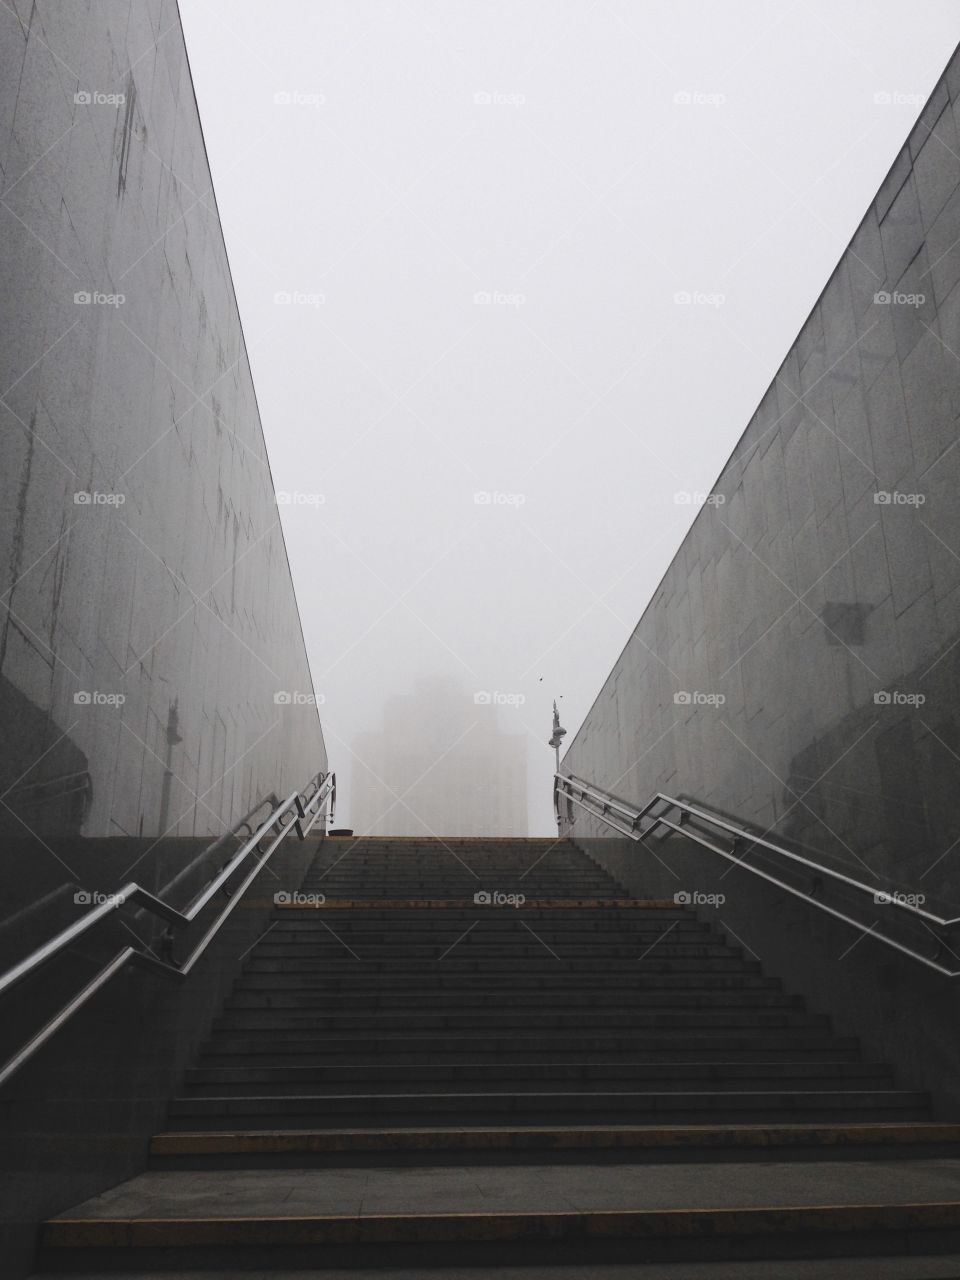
point(53, 796)
point(890, 796)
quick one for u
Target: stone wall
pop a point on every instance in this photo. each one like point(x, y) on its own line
point(147, 614)
point(154, 685)
point(797, 667)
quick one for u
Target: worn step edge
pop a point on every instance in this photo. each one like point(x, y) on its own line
point(80, 1233)
point(593, 1137)
point(713, 1071)
point(674, 1099)
point(406, 903)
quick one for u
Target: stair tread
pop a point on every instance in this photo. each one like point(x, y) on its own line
point(888, 1134)
point(508, 1189)
point(913, 1095)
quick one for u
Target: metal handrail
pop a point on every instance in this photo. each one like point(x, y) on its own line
point(299, 812)
point(628, 819)
point(243, 826)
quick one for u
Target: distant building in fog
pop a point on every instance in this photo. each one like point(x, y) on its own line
point(457, 771)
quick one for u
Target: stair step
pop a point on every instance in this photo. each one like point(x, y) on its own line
point(494, 925)
point(657, 1140)
point(669, 1106)
point(512, 1214)
point(379, 905)
point(656, 1040)
point(307, 1050)
point(454, 964)
point(669, 1074)
point(418, 1000)
point(499, 1020)
point(241, 1082)
point(518, 952)
point(432, 980)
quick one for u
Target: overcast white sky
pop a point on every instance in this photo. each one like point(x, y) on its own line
point(395, 158)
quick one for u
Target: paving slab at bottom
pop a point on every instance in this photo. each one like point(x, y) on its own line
point(511, 1189)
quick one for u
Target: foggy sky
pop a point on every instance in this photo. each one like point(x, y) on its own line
point(457, 233)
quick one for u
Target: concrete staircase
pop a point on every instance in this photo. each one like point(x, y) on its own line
point(457, 1051)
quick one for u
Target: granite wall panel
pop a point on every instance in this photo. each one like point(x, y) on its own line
point(798, 668)
point(147, 615)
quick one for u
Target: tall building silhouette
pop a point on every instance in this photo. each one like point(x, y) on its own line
point(440, 764)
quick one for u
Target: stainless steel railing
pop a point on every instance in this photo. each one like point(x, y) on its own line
point(637, 822)
point(299, 812)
